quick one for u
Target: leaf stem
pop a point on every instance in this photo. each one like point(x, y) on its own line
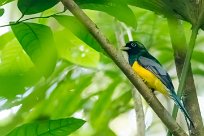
point(31, 18)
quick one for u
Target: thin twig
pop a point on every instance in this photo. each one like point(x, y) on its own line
point(20, 17)
point(31, 18)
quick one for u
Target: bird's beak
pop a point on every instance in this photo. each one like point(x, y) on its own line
point(124, 48)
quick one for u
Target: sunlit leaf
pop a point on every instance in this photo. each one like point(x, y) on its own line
point(38, 42)
point(72, 24)
point(28, 7)
point(111, 7)
point(6, 38)
point(74, 50)
point(16, 69)
point(61, 127)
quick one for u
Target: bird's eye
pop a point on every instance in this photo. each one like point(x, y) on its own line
point(133, 45)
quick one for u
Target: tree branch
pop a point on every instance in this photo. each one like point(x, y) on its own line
point(125, 67)
point(190, 97)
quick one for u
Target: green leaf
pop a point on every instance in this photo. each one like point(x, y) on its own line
point(1, 11)
point(61, 127)
point(3, 2)
point(72, 24)
point(28, 7)
point(190, 11)
point(159, 7)
point(74, 50)
point(38, 42)
point(5, 39)
point(111, 7)
point(16, 69)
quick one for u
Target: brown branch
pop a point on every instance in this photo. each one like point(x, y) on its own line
point(190, 96)
point(125, 67)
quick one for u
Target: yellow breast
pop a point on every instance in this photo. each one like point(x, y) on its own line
point(150, 79)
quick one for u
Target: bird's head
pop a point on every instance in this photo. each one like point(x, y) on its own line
point(133, 47)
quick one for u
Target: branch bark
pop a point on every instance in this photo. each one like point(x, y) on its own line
point(190, 96)
point(119, 60)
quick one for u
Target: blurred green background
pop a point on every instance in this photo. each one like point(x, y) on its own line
point(64, 72)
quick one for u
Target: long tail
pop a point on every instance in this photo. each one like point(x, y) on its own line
point(181, 106)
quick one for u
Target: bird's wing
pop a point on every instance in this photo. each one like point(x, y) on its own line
point(155, 67)
point(151, 64)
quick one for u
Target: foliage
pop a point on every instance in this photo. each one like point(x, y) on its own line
point(28, 7)
point(38, 42)
point(61, 127)
point(56, 69)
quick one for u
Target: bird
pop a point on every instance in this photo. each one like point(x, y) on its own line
point(152, 73)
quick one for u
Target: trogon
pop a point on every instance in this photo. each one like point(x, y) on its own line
point(152, 73)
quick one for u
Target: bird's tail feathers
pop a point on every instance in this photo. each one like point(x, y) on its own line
point(183, 109)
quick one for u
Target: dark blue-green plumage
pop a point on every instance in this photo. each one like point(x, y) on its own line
point(137, 52)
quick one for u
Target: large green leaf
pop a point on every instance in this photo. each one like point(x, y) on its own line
point(112, 7)
point(191, 11)
point(38, 42)
point(72, 24)
point(158, 6)
point(16, 69)
point(3, 2)
point(5, 39)
point(74, 50)
point(28, 7)
point(61, 127)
